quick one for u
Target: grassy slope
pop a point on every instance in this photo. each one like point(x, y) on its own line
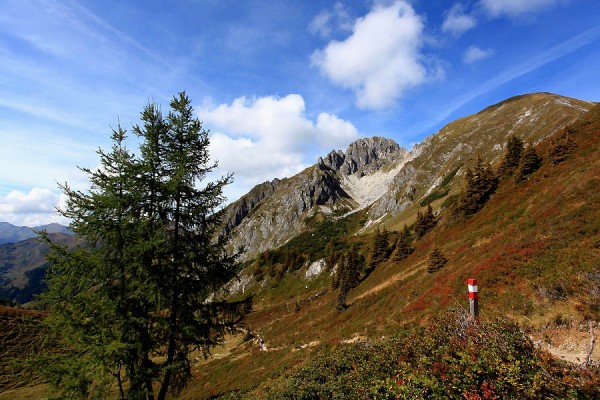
point(534, 248)
point(19, 338)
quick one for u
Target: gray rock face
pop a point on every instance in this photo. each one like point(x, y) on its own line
point(273, 212)
point(364, 156)
point(237, 211)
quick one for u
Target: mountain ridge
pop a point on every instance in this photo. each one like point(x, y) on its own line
point(10, 233)
point(377, 175)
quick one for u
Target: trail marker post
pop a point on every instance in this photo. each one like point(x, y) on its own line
point(473, 298)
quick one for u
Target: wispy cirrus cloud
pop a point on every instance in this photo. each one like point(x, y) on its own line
point(332, 20)
point(515, 8)
point(533, 63)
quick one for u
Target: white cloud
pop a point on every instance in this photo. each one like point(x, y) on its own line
point(474, 54)
point(328, 21)
point(457, 21)
point(513, 8)
point(31, 209)
point(263, 138)
point(380, 59)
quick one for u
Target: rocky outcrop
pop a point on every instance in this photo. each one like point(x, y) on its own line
point(273, 212)
point(237, 211)
point(364, 156)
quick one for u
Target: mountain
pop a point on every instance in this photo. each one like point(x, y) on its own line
point(534, 247)
point(378, 176)
point(274, 212)
point(23, 265)
point(11, 234)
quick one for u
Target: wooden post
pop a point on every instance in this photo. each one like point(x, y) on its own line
point(473, 298)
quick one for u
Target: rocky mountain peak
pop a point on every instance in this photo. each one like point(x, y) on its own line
point(364, 156)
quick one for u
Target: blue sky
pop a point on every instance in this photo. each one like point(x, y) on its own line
point(278, 83)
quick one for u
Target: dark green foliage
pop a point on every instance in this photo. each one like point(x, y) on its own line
point(425, 221)
point(278, 262)
point(316, 242)
point(530, 163)
point(436, 260)
point(433, 196)
point(379, 249)
point(448, 178)
point(131, 304)
point(512, 157)
point(347, 276)
point(404, 246)
point(480, 185)
point(561, 146)
point(452, 358)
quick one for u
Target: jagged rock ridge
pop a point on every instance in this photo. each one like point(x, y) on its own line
point(376, 173)
point(273, 212)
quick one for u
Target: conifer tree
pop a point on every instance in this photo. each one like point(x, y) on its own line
point(131, 304)
point(425, 221)
point(512, 157)
point(530, 163)
point(380, 249)
point(436, 260)
point(481, 182)
point(348, 276)
point(404, 246)
point(562, 146)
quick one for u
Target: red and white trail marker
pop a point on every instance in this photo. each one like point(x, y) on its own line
point(473, 298)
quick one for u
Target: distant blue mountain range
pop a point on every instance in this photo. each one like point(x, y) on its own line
point(12, 234)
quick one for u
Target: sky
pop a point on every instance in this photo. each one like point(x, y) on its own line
point(277, 83)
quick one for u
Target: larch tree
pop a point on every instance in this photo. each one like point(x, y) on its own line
point(512, 157)
point(436, 260)
point(562, 146)
point(348, 275)
point(481, 183)
point(530, 163)
point(424, 222)
point(132, 303)
point(404, 246)
point(379, 250)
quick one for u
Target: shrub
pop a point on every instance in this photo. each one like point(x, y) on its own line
point(452, 358)
point(436, 261)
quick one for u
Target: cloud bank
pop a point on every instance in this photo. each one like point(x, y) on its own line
point(31, 209)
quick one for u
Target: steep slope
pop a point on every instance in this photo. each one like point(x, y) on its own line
point(378, 175)
point(23, 265)
point(531, 117)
